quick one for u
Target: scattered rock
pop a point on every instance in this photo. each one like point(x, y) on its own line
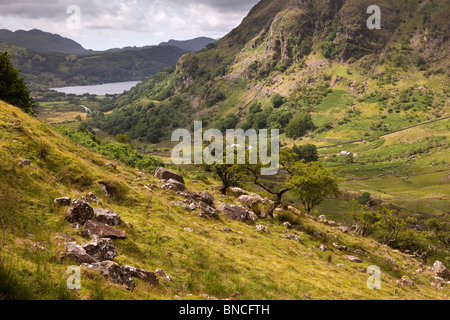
point(251, 201)
point(323, 248)
point(205, 197)
point(165, 174)
point(441, 271)
point(101, 249)
point(405, 281)
point(292, 237)
point(208, 210)
point(340, 247)
point(236, 295)
point(63, 202)
point(340, 265)
point(353, 259)
point(343, 229)
point(392, 262)
point(237, 192)
point(262, 228)
point(24, 162)
point(147, 276)
point(103, 230)
point(38, 247)
point(79, 211)
point(107, 216)
point(237, 213)
point(104, 189)
point(113, 272)
point(189, 230)
point(92, 198)
point(288, 225)
point(160, 273)
point(193, 206)
point(438, 282)
point(78, 253)
point(76, 226)
point(322, 219)
point(331, 223)
point(174, 185)
point(112, 165)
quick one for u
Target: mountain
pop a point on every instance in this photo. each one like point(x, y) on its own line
point(40, 41)
point(378, 96)
point(50, 69)
point(191, 45)
point(204, 258)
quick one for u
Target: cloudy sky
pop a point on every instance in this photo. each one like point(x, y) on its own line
point(108, 24)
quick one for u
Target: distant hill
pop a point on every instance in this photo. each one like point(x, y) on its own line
point(52, 69)
point(40, 41)
point(192, 45)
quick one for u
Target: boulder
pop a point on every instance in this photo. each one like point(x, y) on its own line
point(79, 211)
point(174, 185)
point(237, 192)
point(323, 248)
point(250, 201)
point(103, 230)
point(64, 201)
point(77, 253)
point(292, 237)
point(205, 197)
point(288, 225)
point(24, 163)
point(405, 281)
point(113, 272)
point(353, 259)
point(237, 213)
point(105, 190)
point(107, 216)
point(165, 174)
point(441, 271)
point(208, 210)
point(343, 229)
point(322, 219)
point(262, 228)
point(101, 249)
point(160, 273)
point(147, 276)
point(92, 198)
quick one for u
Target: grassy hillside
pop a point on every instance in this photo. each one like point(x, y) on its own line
point(207, 261)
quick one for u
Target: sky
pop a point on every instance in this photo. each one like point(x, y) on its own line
point(105, 24)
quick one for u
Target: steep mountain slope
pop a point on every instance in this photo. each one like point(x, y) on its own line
point(41, 41)
point(360, 86)
point(204, 257)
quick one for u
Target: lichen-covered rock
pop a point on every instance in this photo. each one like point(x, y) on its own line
point(292, 237)
point(103, 230)
point(237, 192)
point(101, 249)
point(353, 259)
point(113, 272)
point(262, 228)
point(237, 213)
point(107, 216)
point(64, 201)
point(92, 198)
point(79, 211)
point(174, 185)
point(441, 271)
point(77, 253)
point(147, 276)
point(165, 174)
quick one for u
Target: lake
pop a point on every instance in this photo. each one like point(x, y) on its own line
point(99, 90)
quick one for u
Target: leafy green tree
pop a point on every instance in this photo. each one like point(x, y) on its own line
point(299, 126)
point(307, 152)
point(287, 160)
point(366, 221)
point(366, 199)
point(312, 183)
point(277, 100)
point(13, 88)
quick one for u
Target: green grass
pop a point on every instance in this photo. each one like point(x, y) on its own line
point(207, 261)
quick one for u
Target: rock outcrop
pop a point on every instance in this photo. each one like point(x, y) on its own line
point(165, 174)
point(107, 216)
point(79, 211)
point(102, 230)
point(232, 212)
point(101, 249)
